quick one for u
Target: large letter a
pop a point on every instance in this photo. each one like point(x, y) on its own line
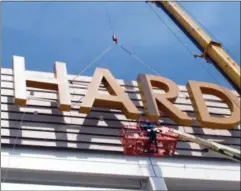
point(117, 99)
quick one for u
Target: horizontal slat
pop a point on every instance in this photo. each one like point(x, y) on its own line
point(82, 89)
point(93, 147)
point(74, 97)
point(65, 120)
point(132, 92)
point(77, 98)
point(83, 85)
point(73, 137)
point(96, 113)
point(38, 104)
point(83, 79)
point(34, 103)
point(92, 131)
point(206, 131)
point(93, 119)
point(111, 131)
point(66, 137)
point(49, 105)
point(54, 115)
point(96, 130)
point(136, 99)
point(60, 144)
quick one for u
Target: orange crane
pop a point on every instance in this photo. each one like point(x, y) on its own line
point(212, 51)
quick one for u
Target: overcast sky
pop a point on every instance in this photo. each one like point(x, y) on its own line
point(77, 32)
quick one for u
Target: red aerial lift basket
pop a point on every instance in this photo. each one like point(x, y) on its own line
point(136, 142)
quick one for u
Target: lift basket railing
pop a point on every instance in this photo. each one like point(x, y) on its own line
point(136, 142)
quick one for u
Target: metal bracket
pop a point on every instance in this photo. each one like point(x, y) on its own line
point(204, 54)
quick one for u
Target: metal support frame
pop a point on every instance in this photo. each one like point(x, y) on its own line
point(205, 52)
point(219, 57)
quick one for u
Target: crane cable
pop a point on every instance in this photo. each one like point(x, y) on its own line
point(133, 55)
point(169, 28)
point(138, 59)
point(110, 23)
point(147, 65)
point(102, 53)
point(125, 49)
point(93, 62)
point(186, 47)
point(82, 72)
point(114, 36)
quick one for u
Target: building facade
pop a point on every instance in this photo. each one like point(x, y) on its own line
point(44, 148)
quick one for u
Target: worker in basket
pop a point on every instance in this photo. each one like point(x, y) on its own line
point(151, 131)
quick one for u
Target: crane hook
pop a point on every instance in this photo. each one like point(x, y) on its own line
point(115, 39)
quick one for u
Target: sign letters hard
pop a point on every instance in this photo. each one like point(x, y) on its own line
point(117, 99)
